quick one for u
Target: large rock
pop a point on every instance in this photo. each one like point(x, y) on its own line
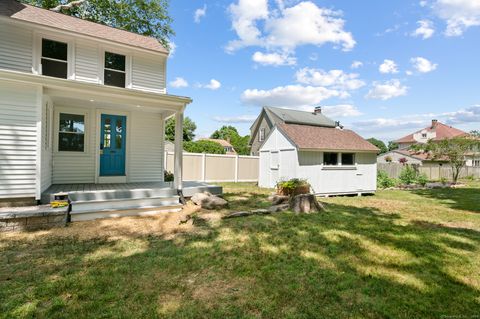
point(209, 201)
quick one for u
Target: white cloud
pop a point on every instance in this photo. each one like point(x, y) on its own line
point(467, 115)
point(179, 82)
point(458, 14)
point(387, 90)
point(285, 28)
point(388, 66)
point(422, 65)
point(200, 13)
point(173, 49)
point(334, 78)
point(423, 3)
point(288, 96)
point(235, 119)
point(356, 64)
point(342, 110)
point(275, 59)
point(212, 85)
point(425, 29)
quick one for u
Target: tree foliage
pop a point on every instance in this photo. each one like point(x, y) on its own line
point(146, 17)
point(230, 133)
point(379, 144)
point(203, 146)
point(189, 128)
point(392, 146)
point(452, 150)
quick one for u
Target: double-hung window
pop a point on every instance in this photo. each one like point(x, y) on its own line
point(330, 158)
point(71, 133)
point(54, 58)
point(114, 71)
point(348, 159)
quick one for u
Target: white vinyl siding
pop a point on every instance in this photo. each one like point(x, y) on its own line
point(148, 74)
point(18, 140)
point(146, 149)
point(86, 62)
point(15, 48)
point(47, 141)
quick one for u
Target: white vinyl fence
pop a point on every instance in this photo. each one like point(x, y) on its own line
point(433, 172)
point(216, 167)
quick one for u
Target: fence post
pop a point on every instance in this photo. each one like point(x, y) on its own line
point(236, 168)
point(204, 167)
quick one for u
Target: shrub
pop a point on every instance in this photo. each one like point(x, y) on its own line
point(167, 176)
point(444, 180)
point(422, 179)
point(470, 178)
point(383, 181)
point(408, 175)
point(403, 160)
point(203, 146)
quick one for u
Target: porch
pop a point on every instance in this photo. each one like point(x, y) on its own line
point(91, 201)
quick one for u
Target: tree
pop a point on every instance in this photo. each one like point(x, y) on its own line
point(392, 146)
point(189, 128)
point(452, 150)
point(475, 133)
point(379, 144)
point(203, 146)
point(146, 17)
point(230, 133)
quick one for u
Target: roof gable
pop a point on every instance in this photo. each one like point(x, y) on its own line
point(31, 14)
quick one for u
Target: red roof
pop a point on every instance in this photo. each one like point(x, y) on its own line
point(326, 138)
point(420, 155)
point(442, 132)
point(28, 13)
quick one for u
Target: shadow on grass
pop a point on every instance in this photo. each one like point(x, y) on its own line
point(456, 198)
point(346, 262)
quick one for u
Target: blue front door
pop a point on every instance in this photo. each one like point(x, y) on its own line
point(112, 145)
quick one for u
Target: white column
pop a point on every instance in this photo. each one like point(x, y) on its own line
point(178, 150)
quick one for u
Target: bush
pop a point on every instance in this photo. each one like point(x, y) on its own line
point(167, 176)
point(203, 146)
point(383, 181)
point(444, 180)
point(408, 175)
point(422, 179)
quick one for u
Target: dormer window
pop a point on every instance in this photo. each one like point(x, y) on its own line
point(424, 135)
point(114, 73)
point(54, 58)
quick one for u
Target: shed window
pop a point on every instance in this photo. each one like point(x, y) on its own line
point(54, 58)
point(330, 158)
point(348, 159)
point(261, 136)
point(71, 135)
point(114, 73)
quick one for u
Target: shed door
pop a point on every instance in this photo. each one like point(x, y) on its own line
point(274, 168)
point(112, 145)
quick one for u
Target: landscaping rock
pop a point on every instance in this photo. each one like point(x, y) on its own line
point(209, 201)
point(260, 211)
point(278, 199)
point(238, 214)
point(279, 208)
point(305, 203)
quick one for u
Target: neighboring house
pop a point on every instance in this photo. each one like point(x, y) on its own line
point(437, 131)
point(81, 104)
point(333, 160)
point(270, 116)
point(225, 144)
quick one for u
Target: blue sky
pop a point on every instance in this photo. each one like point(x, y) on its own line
point(382, 68)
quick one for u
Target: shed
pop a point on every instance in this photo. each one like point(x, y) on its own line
point(334, 161)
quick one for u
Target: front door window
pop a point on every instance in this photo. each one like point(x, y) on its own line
point(112, 145)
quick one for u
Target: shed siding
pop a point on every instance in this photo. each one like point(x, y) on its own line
point(18, 139)
point(86, 61)
point(148, 74)
point(15, 48)
point(146, 148)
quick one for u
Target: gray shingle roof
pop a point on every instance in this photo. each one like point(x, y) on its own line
point(299, 117)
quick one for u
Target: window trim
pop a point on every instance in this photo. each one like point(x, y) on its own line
point(86, 134)
point(37, 53)
point(128, 65)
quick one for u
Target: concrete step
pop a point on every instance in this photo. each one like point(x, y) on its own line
point(118, 204)
point(112, 213)
point(120, 194)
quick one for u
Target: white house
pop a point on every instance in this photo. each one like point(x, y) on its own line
point(333, 160)
point(81, 104)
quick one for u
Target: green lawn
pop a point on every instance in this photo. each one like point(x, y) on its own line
point(399, 254)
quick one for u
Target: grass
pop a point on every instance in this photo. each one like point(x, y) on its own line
point(399, 254)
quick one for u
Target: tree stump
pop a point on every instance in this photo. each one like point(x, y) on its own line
point(305, 203)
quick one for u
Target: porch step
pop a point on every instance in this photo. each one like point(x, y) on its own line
point(118, 204)
point(112, 213)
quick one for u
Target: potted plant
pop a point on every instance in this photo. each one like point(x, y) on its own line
point(292, 187)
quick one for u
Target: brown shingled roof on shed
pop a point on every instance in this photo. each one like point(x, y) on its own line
point(32, 14)
point(326, 138)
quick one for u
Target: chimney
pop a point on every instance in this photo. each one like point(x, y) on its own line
point(318, 110)
point(434, 123)
point(338, 125)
